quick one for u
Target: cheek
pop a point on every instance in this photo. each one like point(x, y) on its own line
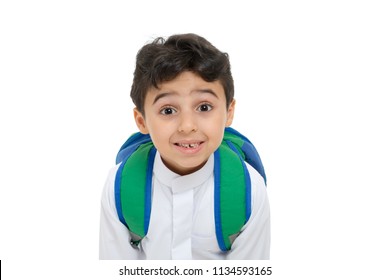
point(217, 121)
point(215, 129)
point(159, 132)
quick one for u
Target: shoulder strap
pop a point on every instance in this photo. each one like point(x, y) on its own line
point(232, 187)
point(133, 185)
point(232, 191)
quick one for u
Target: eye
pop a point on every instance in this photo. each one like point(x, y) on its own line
point(205, 107)
point(167, 111)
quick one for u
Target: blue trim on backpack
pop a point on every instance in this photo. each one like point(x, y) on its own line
point(253, 158)
point(248, 183)
point(217, 197)
point(148, 189)
point(131, 145)
point(117, 192)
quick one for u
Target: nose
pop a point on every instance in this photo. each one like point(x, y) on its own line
point(187, 123)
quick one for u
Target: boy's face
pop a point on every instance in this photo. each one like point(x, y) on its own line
point(185, 118)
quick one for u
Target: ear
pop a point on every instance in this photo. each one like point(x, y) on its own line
point(140, 121)
point(230, 113)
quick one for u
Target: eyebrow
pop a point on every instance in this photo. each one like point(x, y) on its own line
point(164, 94)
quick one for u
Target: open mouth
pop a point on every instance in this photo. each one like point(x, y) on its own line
point(189, 145)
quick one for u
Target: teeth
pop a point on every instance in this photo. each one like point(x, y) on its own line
point(192, 145)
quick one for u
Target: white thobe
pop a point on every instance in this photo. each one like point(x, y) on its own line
point(182, 219)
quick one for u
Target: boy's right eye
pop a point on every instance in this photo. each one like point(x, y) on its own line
point(167, 111)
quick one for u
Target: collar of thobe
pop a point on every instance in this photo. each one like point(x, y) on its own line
point(180, 183)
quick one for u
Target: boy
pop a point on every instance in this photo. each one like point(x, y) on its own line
point(183, 92)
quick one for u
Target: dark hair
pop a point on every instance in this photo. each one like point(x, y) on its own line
point(163, 60)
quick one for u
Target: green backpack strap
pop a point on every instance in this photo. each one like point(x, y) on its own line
point(133, 187)
point(231, 188)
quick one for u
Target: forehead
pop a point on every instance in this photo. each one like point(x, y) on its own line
point(187, 83)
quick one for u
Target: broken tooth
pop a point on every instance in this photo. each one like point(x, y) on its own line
point(192, 145)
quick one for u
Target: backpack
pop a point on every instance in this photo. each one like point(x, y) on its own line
point(232, 185)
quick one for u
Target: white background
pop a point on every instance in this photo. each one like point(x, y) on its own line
point(312, 81)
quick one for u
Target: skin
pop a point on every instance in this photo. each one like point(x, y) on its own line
point(185, 118)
